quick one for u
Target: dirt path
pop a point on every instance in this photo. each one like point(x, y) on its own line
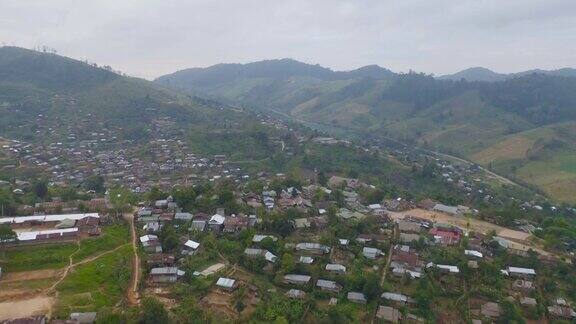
point(389, 258)
point(132, 294)
point(72, 265)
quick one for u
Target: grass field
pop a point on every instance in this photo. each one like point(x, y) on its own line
point(112, 236)
point(512, 148)
point(54, 256)
point(36, 257)
point(96, 284)
point(556, 177)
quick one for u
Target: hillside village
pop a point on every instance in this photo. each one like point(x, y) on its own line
point(245, 245)
point(246, 217)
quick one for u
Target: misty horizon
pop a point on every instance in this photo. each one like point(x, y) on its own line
point(156, 38)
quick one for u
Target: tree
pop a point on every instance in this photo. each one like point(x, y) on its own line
point(7, 234)
point(322, 178)
point(371, 287)
point(169, 238)
point(287, 263)
point(188, 312)
point(153, 312)
point(121, 199)
point(155, 194)
point(41, 189)
point(95, 183)
point(511, 313)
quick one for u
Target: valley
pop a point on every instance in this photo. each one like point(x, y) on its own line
point(124, 200)
point(510, 126)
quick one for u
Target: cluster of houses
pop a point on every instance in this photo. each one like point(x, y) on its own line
point(83, 154)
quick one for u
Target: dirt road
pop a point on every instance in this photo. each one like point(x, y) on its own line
point(132, 294)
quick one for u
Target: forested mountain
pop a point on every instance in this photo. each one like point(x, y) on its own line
point(484, 74)
point(459, 117)
point(475, 74)
point(275, 69)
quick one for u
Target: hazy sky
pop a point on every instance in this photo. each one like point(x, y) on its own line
point(148, 38)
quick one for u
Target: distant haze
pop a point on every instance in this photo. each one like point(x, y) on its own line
point(155, 37)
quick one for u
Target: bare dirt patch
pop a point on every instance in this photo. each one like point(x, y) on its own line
point(30, 275)
point(219, 303)
point(472, 224)
point(28, 307)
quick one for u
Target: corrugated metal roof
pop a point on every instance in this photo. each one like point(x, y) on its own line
point(164, 271)
point(225, 282)
point(45, 218)
point(28, 236)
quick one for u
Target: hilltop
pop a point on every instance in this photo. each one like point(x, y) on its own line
point(484, 74)
point(459, 117)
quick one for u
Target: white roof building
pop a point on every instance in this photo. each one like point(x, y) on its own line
point(226, 283)
point(217, 219)
point(29, 236)
point(473, 253)
point(306, 260)
point(520, 271)
point(45, 218)
point(395, 297)
point(335, 267)
point(448, 268)
point(192, 244)
point(148, 238)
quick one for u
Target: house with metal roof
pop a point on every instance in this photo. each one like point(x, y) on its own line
point(226, 283)
point(190, 247)
point(336, 268)
point(371, 253)
point(356, 297)
point(165, 274)
point(397, 298)
point(296, 279)
point(328, 285)
point(521, 272)
point(315, 248)
point(254, 253)
point(183, 217)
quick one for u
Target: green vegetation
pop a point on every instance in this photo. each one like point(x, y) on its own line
point(27, 258)
point(112, 237)
point(472, 119)
point(96, 284)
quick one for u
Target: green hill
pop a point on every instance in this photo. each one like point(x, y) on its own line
point(67, 92)
point(484, 74)
point(459, 117)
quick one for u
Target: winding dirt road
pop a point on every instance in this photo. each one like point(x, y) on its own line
point(132, 294)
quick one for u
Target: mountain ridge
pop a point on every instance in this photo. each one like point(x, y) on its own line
point(456, 116)
point(484, 74)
